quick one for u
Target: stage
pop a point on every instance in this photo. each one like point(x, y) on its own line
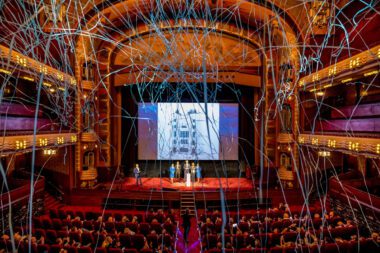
point(206, 184)
point(159, 192)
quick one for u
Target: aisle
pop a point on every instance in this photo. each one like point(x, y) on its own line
point(194, 245)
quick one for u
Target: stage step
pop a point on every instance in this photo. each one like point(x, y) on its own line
point(188, 201)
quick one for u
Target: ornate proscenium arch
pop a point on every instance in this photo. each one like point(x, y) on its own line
point(231, 41)
point(178, 55)
point(246, 15)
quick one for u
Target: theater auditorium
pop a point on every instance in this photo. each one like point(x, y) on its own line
point(188, 126)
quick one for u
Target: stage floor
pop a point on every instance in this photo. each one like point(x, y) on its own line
point(207, 184)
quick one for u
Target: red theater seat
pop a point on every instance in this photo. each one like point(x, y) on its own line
point(130, 251)
point(246, 250)
point(89, 215)
point(79, 214)
point(98, 225)
point(87, 239)
point(144, 228)
point(260, 250)
point(114, 250)
point(109, 227)
point(43, 248)
point(53, 213)
point(100, 250)
point(120, 226)
point(239, 241)
point(84, 250)
point(55, 248)
point(38, 232)
point(71, 213)
point(146, 251)
point(156, 227)
point(243, 226)
point(62, 214)
point(51, 236)
point(170, 228)
point(118, 216)
point(37, 222)
point(276, 250)
point(210, 241)
point(286, 223)
point(75, 236)
point(138, 241)
point(57, 224)
point(214, 251)
point(153, 240)
point(88, 225)
point(77, 223)
point(98, 239)
point(71, 249)
point(125, 240)
point(62, 233)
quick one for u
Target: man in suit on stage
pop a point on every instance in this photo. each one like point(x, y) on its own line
point(137, 172)
point(178, 171)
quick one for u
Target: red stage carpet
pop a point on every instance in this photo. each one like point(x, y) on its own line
point(205, 184)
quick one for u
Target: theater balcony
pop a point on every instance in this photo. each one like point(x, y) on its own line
point(34, 111)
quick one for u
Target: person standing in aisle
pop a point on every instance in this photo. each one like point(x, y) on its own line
point(186, 223)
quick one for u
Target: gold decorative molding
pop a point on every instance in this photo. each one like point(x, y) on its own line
point(88, 137)
point(88, 85)
point(364, 64)
point(342, 143)
point(25, 142)
point(227, 77)
point(284, 138)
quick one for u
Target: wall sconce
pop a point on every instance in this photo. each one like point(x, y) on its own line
point(320, 94)
point(346, 80)
point(371, 73)
point(21, 61)
point(353, 146)
point(60, 140)
point(43, 69)
point(7, 72)
point(73, 138)
point(332, 71)
point(21, 144)
point(314, 141)
point(43, 141)
point(378, 149)
point(324, 153)
point(355, 63)
point(50, 151)
point(331, 143)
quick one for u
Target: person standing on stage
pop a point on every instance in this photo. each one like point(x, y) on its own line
point(186, 223)
point(171, 173)
point(192, 170)
point(178, 171)
point(198, 172)
point(186, 169)
point(137, 171)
